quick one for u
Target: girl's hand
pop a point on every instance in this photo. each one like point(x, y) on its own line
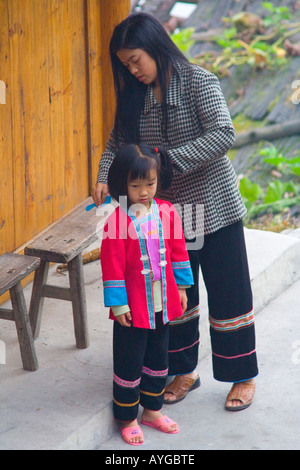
point(99, 193)
point(183, 299)
point(124, 319)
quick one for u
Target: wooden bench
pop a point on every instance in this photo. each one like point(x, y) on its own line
point(63, 242)
point(14, 268)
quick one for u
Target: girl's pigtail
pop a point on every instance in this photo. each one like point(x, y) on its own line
point(166, 172)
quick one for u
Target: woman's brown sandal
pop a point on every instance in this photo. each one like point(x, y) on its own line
point(242, 392)
point(180, 387)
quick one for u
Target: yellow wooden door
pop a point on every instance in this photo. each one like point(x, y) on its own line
point(59, 108)
point(7, 218)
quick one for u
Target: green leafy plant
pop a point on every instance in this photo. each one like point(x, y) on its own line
point(183, 40)
point(279, 195)
point(277, 14)
point(285, 165)
point(251, 192)
point(277, 198)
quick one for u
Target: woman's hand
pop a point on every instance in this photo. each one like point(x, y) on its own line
point(124, 319)
point(99, 193)
point(183, 299)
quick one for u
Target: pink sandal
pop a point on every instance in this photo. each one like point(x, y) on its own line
point(161, 424)
point(131, 432)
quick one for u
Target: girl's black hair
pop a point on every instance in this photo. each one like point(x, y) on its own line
point(135, 161)
point(140, 31)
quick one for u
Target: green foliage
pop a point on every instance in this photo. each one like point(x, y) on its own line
point(277, 14)
point(285, 165)
point(251, 192)
point(279, 195)
point(182, 39)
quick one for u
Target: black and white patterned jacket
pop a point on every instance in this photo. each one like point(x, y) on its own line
point(200, 132)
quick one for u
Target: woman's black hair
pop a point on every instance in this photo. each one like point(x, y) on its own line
point(135, 161)
point(140, 31)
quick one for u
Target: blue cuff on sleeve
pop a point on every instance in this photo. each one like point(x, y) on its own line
point(183, 273)
point(115, 293)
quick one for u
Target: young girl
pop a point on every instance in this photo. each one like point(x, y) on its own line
point(146, 270)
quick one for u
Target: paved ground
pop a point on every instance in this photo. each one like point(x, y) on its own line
point(272, 422)
point(66, 404)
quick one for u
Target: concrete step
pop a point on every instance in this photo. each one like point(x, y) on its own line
point(66, 404)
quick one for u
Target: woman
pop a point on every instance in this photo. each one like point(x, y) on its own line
point(163, 100)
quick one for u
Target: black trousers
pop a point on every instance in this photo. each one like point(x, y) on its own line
point(224, 266)
point(140, 368)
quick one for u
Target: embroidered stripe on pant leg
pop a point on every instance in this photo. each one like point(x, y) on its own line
point(231, 324)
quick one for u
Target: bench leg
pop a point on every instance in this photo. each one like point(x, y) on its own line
point(78, 301)
point(37, 300)
point(21, 318)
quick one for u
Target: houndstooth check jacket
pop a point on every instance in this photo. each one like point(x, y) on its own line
point(200, 132)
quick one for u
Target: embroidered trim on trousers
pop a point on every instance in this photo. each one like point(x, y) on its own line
point(140, 368)
point(224, 266)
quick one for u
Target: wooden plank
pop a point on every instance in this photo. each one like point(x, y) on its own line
point(26, 342)
point(112, 13)
point(78, 302)
point(56, 292)
point(77, 176)
point(39, 159)
point(7, 314)
point(37, 300)
point(67, 238)
point(95, 53)
point(28, 26)
point(7, 227)
point(50, 125)
point(61, 105)
point(14, 268)
point(22, 99)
